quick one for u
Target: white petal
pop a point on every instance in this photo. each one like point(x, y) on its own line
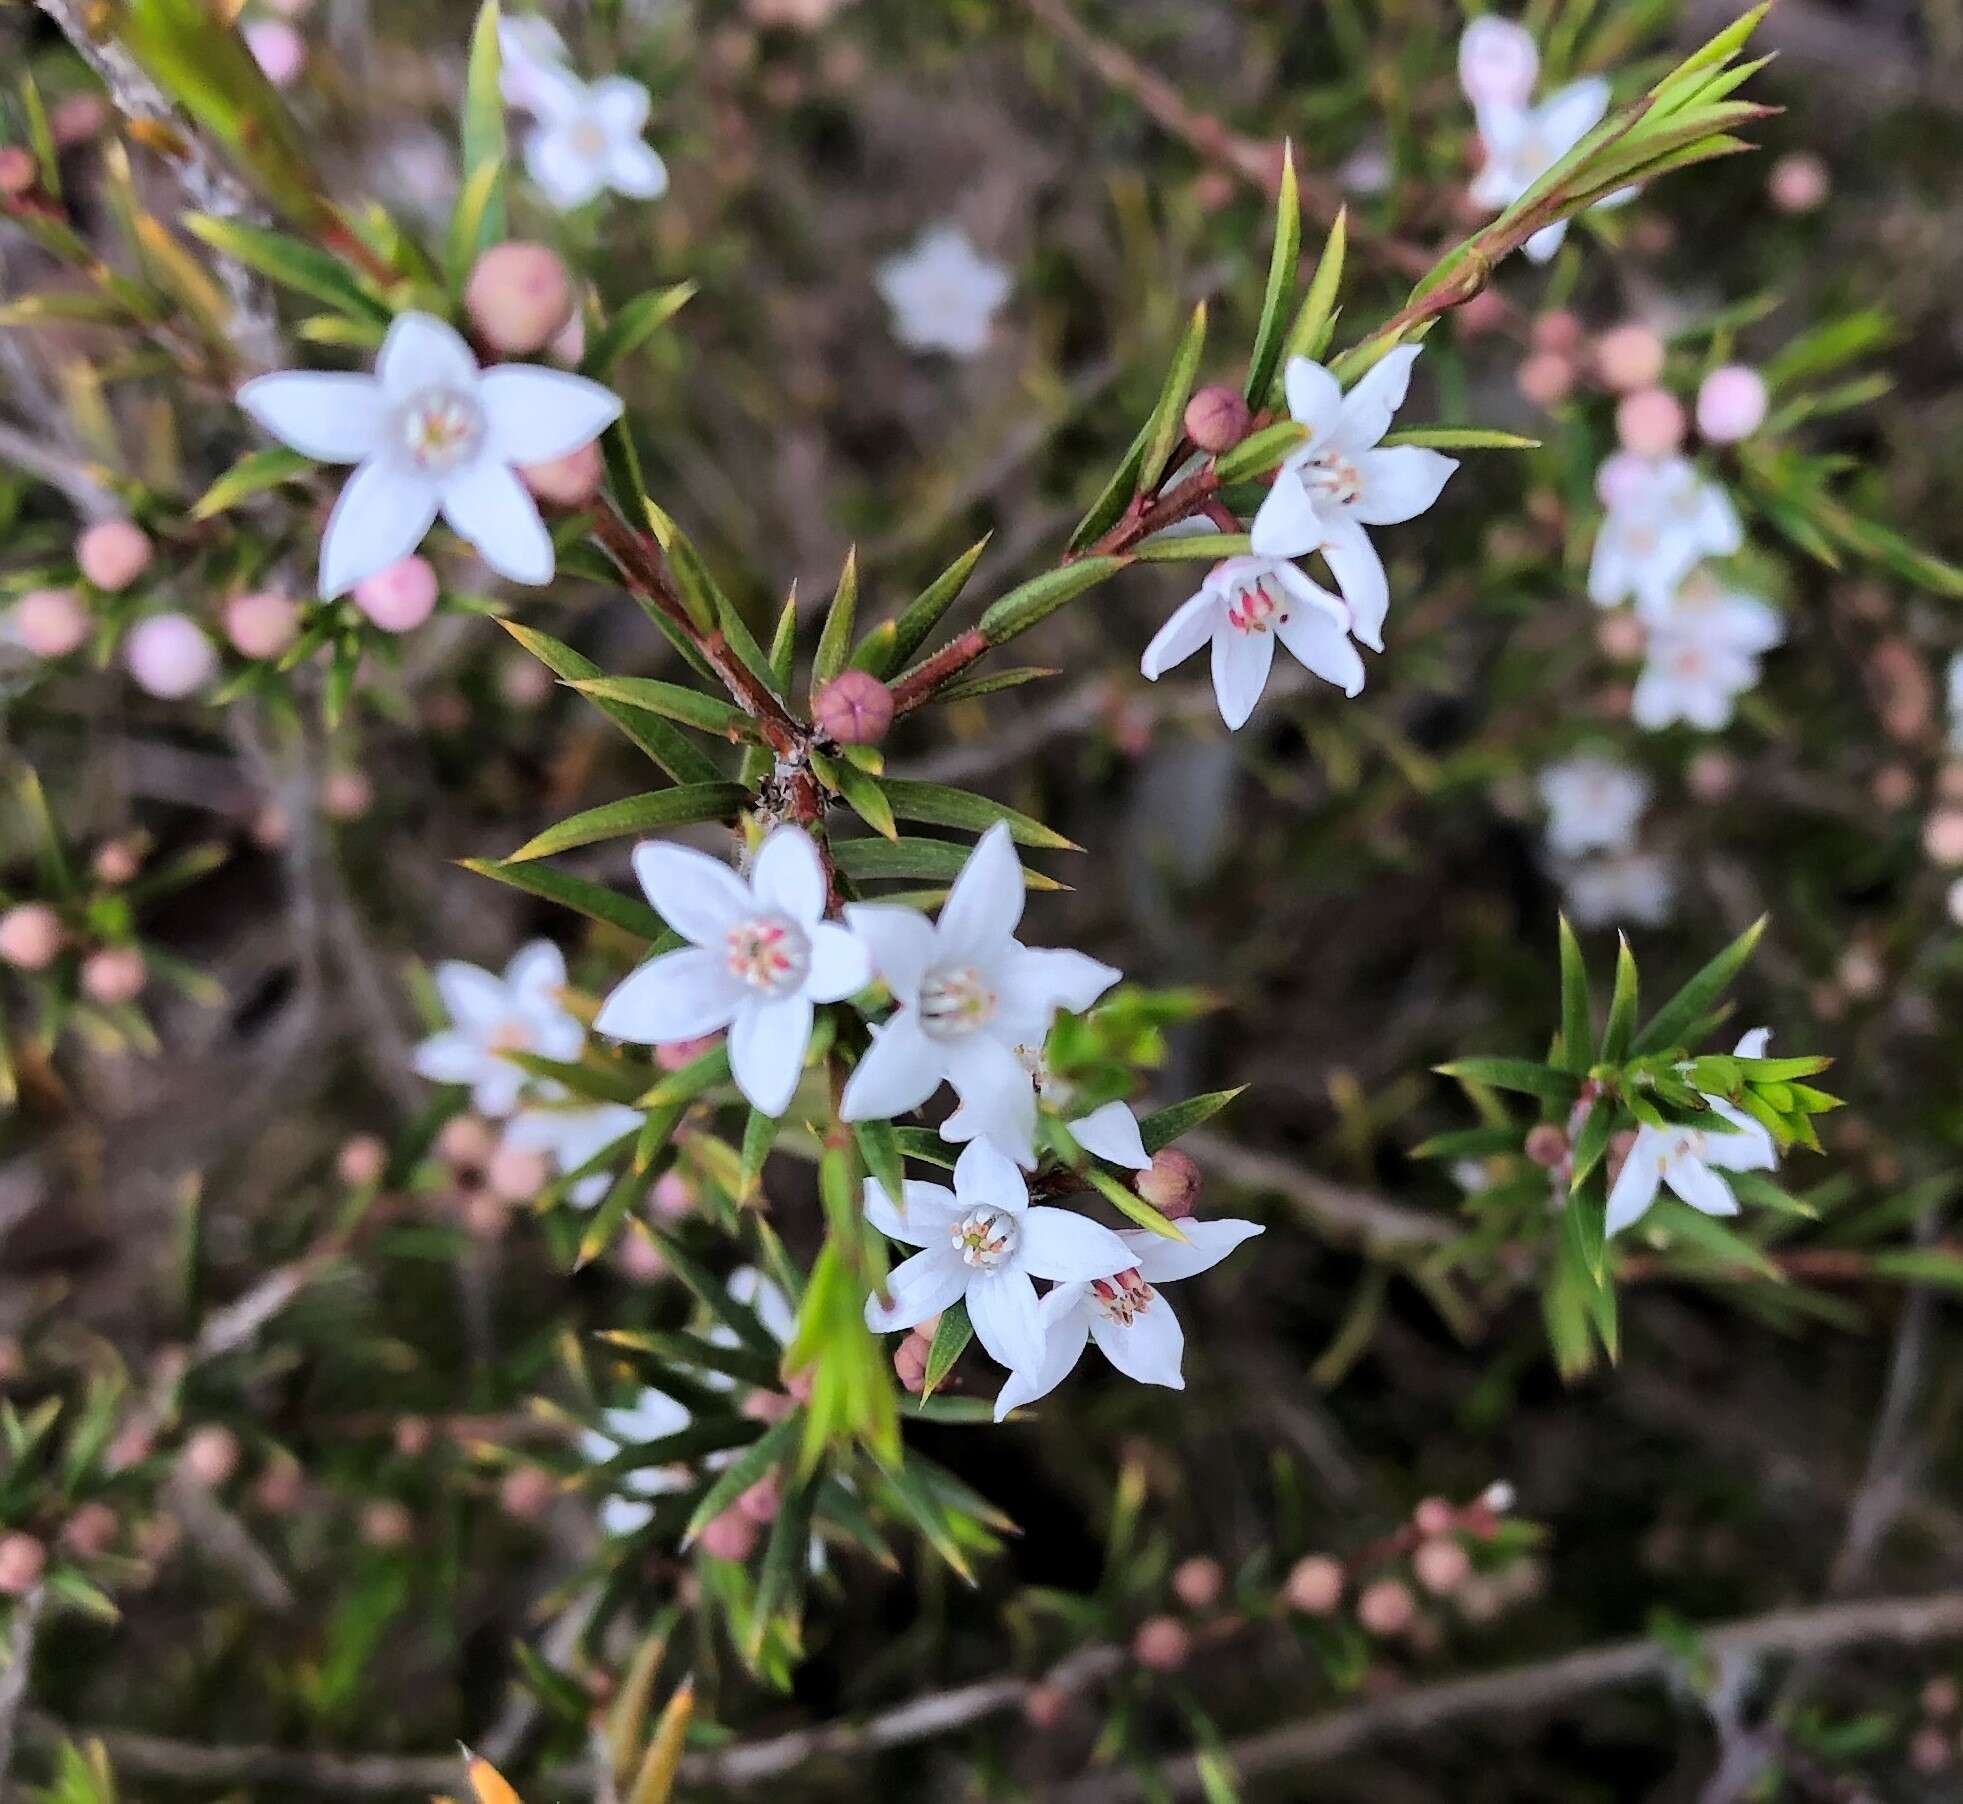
point(1164, 1261)
point(929, 1215)
point(985, 1177)
point(1541, 247)
point(983, 907)
point(1567, 116)
point(1002, 1307)
point(1635, 1185)
point(637, 171)
point(787, 875)
point(1191, 626)
point(1054, 977)
point(917, 1288)
point(1286, 524)
point(1150, 1350)
point(471, 996)
point(1240, 672)
point(1359, 573)
point(1059, 1244)
point(1315, 399)
point(620, 104)
point(1401, 483)
point(624, 1515)
point(840, 964)
point(1749, 1148)
point(537, 973)
point(496, 1091)
point(489, 506)
point(674, 997)
point(1498, 61)
point(1111, 1132)
point(899, 940)
point(1700, 1186)
point(380, 518)
point(422, 351)
point(1065, 1318)
point(1372, 403)
point(1320, 645)
point(566, 175)
point(534, 414)
point(898, 1072)
point(1753, 1045)
point(335, 417)
point(995, 1091)
point(552, 91)
point(699, 896)
point(450, 1057)
point(767, 1043)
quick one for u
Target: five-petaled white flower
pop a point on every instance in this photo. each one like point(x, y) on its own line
point(1133, 1325)
point(760, 955)
point(432, 433)
point(1662, 521)
point(653, 1416)
point(1688, 1159)
point(983, 1241)
point(1593, 805)
point(1704, 647)
point(491, 1016)
point(1632, 889)
point(586, 136)
point(1245, 605)
point(943, 293)
point(570, 1132)
point(1341, 480)
point(970, 996)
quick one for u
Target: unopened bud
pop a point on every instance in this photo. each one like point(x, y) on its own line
point(1217, 418)
point(346, 795)
point(854, 708)
point(761, 1502)
point(516, 1174)
point(413, 1436)
point(1042, 1705)
point(1650, 422)
point(1314, 1585)
point(116, 862)
point(1433, 1516)
point(361, 1161)
point(1386, 1608)
point(672, 1055)
point(18, 173)
point(278, 1489)
point(91, 1531)
point(1171, 1184)
point(730, 1536)
point(22, 1561)
point(262, 625)
point(400, 596)
point(386, 1523)
point(114, 976)
point(518, 296)
point(1547, 1146)
point(1629, 357)
point(1198, 1582)
point(30, 936)
point(1799, 182)
point(169, 656)
point(210, 1456)
point(674, 1195)
point(279, 50)
point(113, 553)
point(910, 1363)
point(1162, 1644)
point(1731, 404)
point(50, 622)
point(526, 1492)
point(1441, 1566)
point(465, 1140)
point(569, 481)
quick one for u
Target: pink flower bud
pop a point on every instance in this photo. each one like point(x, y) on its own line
point(569, 481)
point(1386, 1608)
point(640, 1259)
point(1484, 312)
point(169, 656)
point(1198, 1582)
point(1042, 1706)
point(798, 1385)
point(1940, 1697)
point(1547, 1146)
point(278, 1490)
point(1171, 1184)
point(1621, 636)
point(1712, 776)
point(113, 553)
point(279, 50)
point(672, 1055)
point(761, 1502)
point(1217, 418)
point(526, 1492)
point(116, 862)
point(1441, 1566)
point(674, 1195)
point(18, 171)
point(1556, 330)
point(854, 708)
point(91, 1531)
point(518, 296)
point(261, 625)
point(1650, 423)
point(346, 795)
point(1433, 1516)
point(516, 1174)
point(1629, 357)
point(386, 1523)
point(523, 682)
point(1497, 62)
point(766, 1406)
point(1929, 1750)
point(50, 622)
point(1545, 379)
point(114, 975)
point(567, 346)
point(730, 1536)
point(1942, 837)
point(1162, 1644)
point(30, 936)
point(22, 1561)
point(210, 1456)
point(910, 1363)
point(1731, 404)
point(413, 1437)
point(399, 597)
point(1314, 1585)
point(465, 1141)
point(1799, 182)
point(77, 119)
point(361, 1161)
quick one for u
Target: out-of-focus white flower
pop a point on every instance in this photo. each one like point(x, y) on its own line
point(760, 955)
point(653, 1416)
point(984, 1242)
point(1499, 62)
point(1133, 1325)
point(569, 1135)
point(1340, 480)
point(492, 1016)
point(970, 995)
point(1688, 1159)
point(527, 42)
point(1593, 805)
point(587, 137)
point(1244, 605)
point(1109, 1131)
point(1664, 519)
point(431, 433)
point(1635, 889)
point(1704, 647)
point(943, 293)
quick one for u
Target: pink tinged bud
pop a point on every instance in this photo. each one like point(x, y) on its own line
point(50, 622)
point(399, 597)
point(730, 1536)
point(517, 1175)
point(766, 1406)
point(1441, 1566)
point(672, 1055)
point(1650, 422)
point(1547, 1146)
point(1629, 357)
point(674, 1196)
point(413, 1436)
point(114, 976)
point(526, 1492)
point(279, 50)
point(113, 553)
point(1217, 418)
point(77, 119)
point(1162, 1644)
point(1558, 330)
point(169, 656)
point(1940, 1697)
point(518, 296)
point(1929, 1750)
point(1198, 1582)
point(761, 1502)
point(1434, 1516)
point(116, 862)
point(279, 1488)
point(465, 1140)
point(346, 795)
point(569, 481)
point(262, 625)
point(798, 1385)
point(854, 708)
point(641, 1260)
point(386, 1523)
point(30, 936)
point(210, 1456)
point(1621, 479)
point(130, 1445)
point(524, 682)
point(1171, 1184)
point(568, 345)
point(361, 1161)
point(90, 1532)
point(1942, 837)
point(910, 1363)
point(1621, 636)
point(1386, 1608)
point(1731, 404)
point(18, 172)
point(1712, 776)
point(1798, 183)
point(1545, 379)
point(1314, 1585)
point(22, 1561)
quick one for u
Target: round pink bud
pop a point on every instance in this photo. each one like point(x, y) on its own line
point(262, 625)
point(279, 50)
point(399, 597)
point(1712, 776)
point(1942, 836)
point(1556, 330)
point(1798, 182)
point(1547, 1146)
point(50, 622)
point(1621, 636)
point(1498, 62)
point(387, 1523)
point(1485, 312)
point(567, 346)
point(910, 1363)
point(672, 1055)
point(91, 1531)
point(761, 1502)
point(1629, 357)
point(1314, 1585)
point(465, 1140)
point(346, 795)
point(413, 1437)
point(22, 1561)
point(280, 1487)
point(169, 656)
point(1198, 1582)
point(1928, 1749)
point(518, 296)
point(854, 708)
point(1386, 1608)
point(674, 1195)
point(730, 1536)
point(1731, 404)
point(1441, 1566)
point(1545, 379)
point(1162, 1644)
point(1940, 1697)
point(1621, 479)
point(1171, 1184)
point(526, 1492)
point(516, 1174)
point(1650, 423)
point(569, 481)
point(361, 1161)
point(116, 862)
point(1433, 1516)
point(77, 119)
point(524, 682)
point(30, 936)
point(640, 1259)
point(113, 553)
point(114, 975)
point(1217, 418)
point(18, 171)
point(210, 1456)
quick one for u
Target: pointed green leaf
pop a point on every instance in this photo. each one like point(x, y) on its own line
point(835, 638)
point(1672, 1021)
point(637, 814)
point(1270, 334)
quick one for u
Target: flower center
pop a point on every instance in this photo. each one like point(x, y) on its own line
point(589, 140)
point(985, 1238)
point(1337, 477)
point(441, 428)
point(1256, 609)
point(955, 1003)
point(1123, 1299)
point(511, 1036)
point(769, 954)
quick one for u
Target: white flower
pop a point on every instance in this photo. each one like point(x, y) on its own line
point(970, 995)
point(1523, 142)
point(432, 433)
point(943, 293)
point(1339, 481)
point(1635, 889)
point(1133, 1325)
point(653, 1416)
point(1593, 805)
point(1245, 605)
point(1498, 62)
point(587, 136)
point(1665, 520)
point(570, 1135)
point(1688, 1159)
point(1704, 646)
point(491, 1016)
point(760, 955)
point(983, 1241)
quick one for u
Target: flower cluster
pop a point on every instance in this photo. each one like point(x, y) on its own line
point(1594, 809)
